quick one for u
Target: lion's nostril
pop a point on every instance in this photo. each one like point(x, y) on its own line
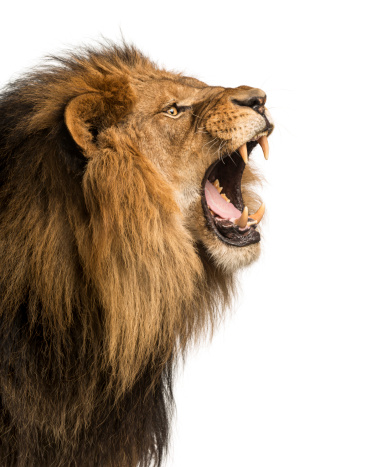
point(249, 102)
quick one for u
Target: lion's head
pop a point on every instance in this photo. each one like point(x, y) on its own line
point(196, 135)
point(117, 246)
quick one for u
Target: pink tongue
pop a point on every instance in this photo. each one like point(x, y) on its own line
point(218, 205)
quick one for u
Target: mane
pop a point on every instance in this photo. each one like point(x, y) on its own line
point(101, 286)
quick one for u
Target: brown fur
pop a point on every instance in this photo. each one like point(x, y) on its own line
point(108, 271)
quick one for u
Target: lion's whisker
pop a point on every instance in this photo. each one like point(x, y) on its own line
point(219, 150)
point(210, 143)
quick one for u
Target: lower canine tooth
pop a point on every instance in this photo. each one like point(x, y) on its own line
point(243, 219)
point(243, 151)
point(257, 216)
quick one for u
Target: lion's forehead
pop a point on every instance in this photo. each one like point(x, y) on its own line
point(165, 91)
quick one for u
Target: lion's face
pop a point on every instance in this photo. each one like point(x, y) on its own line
point(192, 133)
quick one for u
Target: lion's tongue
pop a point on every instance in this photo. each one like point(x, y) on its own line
point(218, 204)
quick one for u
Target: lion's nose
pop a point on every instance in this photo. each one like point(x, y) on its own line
point(253, 98)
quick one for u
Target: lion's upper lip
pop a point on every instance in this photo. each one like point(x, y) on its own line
point(222, 199)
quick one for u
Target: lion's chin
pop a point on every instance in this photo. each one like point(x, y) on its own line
point(230, 258)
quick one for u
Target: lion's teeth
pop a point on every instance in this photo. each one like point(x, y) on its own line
point(263, 141)
point(257, 216)
point(244, 152)
point(217, 185)
point(243, 219)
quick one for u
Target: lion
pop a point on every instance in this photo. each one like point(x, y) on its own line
point(127, 206)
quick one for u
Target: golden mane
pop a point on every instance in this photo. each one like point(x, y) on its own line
point(103, 280)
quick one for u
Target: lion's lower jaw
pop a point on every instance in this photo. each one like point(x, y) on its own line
point(227, 257)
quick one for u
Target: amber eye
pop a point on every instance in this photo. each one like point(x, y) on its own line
point(173, 111)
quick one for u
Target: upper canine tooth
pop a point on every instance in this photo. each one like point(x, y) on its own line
point(244, 152)
point(243, 219)
point(257, 216)
point(263, 141)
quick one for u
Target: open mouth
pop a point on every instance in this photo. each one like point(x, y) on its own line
point(222, 199)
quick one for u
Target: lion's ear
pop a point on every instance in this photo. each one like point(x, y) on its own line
point(86, 115)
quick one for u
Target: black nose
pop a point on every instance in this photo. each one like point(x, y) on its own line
point(254, 102)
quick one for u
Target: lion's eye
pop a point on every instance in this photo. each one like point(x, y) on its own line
point(172, 111)
point(175, 110)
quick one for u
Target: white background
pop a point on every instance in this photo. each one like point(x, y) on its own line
point(283, 382)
